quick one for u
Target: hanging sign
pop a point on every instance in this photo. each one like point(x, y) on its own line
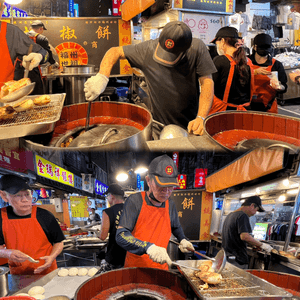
point(47, 169)
point(100, 188)
point(79, 206)
point(17, 12)
point(200, 175)
point(182, 182)
point(176, 158)
point(138, 181)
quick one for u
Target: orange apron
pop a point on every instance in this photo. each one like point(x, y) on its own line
point(221, 105)
point(26, 235)
point(7, 68)
point(154, 226)
point(264, 92)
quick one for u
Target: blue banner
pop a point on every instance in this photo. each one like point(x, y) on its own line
point(100, 188)
point(138, 181)
point(17, 13)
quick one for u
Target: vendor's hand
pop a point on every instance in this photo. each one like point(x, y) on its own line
point(95, 86)
point(186, 246)
point(159, 255)
point(16, 256)
point(55, 65)
point(48, 262)
point(196, 126)
point(34, 58)
point(262, 71)
point(266, 247)
point(276, 85)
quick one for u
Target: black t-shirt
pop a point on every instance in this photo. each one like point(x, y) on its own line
point(236, 223)
point(239, 94)
point(45, 219)
point(115, 254)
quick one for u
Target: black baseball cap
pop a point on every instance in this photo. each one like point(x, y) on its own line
point(164, 171)
point(226, 31)
point(13, 184)
point(174, 40)
point(256, 200)
point(114, 189)
point(38, 23)
point(263, 41)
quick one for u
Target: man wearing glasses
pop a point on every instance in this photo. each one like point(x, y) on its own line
point(27, 230)
point(236, 232)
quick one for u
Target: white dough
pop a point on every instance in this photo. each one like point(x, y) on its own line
point(23, 294)
point(39, 296)
point(63, 272)
point(92, 272)
point(82, 271)
point(73, 272)
point(36, 290)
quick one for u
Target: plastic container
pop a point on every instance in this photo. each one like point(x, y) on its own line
point(122, 91)
point(17, 298)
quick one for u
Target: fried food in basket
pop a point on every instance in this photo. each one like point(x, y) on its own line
point(7, 112)
point(13, 85)
point(207, 274)
point(286, 254)
point(42, 100)
point(26, 104)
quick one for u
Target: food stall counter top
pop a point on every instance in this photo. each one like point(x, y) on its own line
point(18, 282)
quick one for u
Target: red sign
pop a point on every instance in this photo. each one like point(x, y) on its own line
point(116, 7)
point(182, 182)
point(200, 175)
point(176, 158)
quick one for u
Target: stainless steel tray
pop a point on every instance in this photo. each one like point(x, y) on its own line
point(55, 285)
point(236, 284)
point(38, 120)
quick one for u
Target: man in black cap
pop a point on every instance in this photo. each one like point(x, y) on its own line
point(14, 45)
point(149, 218)
point(175, 65)
point(115, 255)
point(236, 232)
point(27, 230)
point(266, 88)
point(36, 34)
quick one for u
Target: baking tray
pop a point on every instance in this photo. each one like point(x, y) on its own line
point(236, 284)
point(38, 120)
point(55, 285)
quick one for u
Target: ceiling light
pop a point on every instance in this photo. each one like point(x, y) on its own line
point(286, 182)
point(140, 170)
point(122, 176)
point(292, 192)
point(281, 198)
point(13, 2)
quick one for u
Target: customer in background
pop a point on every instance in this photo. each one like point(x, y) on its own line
point(36, 34)
point(236, 233)
point(175, 66)
point(233, 83)
point(27, 230)
point(15, 44)
point(94, 217)
point(266, 89)
point(115, 255)
point(149, 218)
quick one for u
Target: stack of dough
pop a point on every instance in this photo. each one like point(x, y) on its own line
point(77, 271)
point(37, 292)
point(92, 272)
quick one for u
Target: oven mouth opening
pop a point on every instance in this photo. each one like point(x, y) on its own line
point(140, 294)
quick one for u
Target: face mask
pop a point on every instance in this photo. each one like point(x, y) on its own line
point(220, 51)
point(262, 52)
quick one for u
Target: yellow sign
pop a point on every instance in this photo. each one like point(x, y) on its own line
point(206, 212)
point(297, 37)
point(131, 8)
point(79, 206)
point(51, 171)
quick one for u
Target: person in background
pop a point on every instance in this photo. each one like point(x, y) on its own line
point(233, 83)
point(266, 89)
point(115, 255)
point(27, 230)
point(236, 233)
point(36, 34)
point(175, 66)
point(94, 217)
point(15, 43)
point(149, 218)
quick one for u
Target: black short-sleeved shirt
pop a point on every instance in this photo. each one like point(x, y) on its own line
point(236, 223)
point(115, 254)
point(239, 94)
point(173, 91)
point(45, 219)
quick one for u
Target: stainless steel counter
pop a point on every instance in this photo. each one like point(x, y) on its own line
point(18, 282)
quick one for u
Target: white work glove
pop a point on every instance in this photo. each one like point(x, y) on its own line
point(95, 86)
point(266, 247)
point(55, 65)
point(34, 58)
point(186, 246)
point(159, 255)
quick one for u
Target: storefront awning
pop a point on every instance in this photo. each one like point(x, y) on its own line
point(252, 165)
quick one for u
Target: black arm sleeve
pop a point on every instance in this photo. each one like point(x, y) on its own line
point(278, 66)
point(43, 41)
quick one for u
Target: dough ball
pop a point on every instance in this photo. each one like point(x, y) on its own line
point(73, 272)
point(23, 294)
point(39, 296)
point(63, 272)
point(92, 272)
point(82, 271)
point(36, 290)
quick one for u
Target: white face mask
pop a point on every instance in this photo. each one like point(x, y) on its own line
point(220, 51)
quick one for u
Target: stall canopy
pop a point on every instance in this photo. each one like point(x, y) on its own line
point(250, 166)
